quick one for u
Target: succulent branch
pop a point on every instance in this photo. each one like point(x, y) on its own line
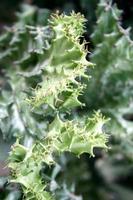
point(48, 62)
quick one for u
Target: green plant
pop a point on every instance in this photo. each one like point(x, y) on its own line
point(50, 60)
point(110, 90)
point(112, 77)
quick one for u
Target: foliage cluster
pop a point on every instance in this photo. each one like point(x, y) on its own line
point(46, 105)
point(43, 68)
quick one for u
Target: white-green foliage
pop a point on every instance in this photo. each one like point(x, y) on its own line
point(44, 65)
point(18, 57)
point(112, 78)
